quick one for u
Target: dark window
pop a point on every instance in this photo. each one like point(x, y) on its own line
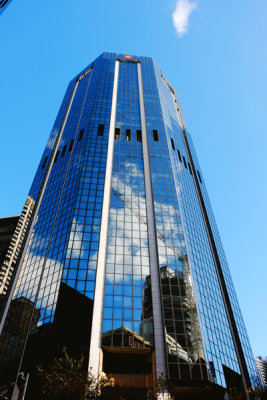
point(199, 177)
point(119, 363)
point(56, 158)
point(179, 155)
point(117, 133)
point(44, 163)
point(138, 136)
point(100, 131)
point(128, 134)
point(155, 135)
point(172, 142)
point(189, 166)
point(81, 134)
point(71, 145)
point(64, 151)
point(185, 162)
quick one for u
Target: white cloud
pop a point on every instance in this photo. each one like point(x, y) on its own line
point(165, 216)
point(181, 14)
point(52, 138)
point(28, 281)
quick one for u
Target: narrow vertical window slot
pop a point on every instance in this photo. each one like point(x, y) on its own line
point(100, 131)
point(117, 133)
point(138, 136)
point(64, 151)
point(199, 177)
point(190, 169)
point(172, 142)
point(185, 164)
point(44, 163)
point(155, 135)
point(128, 135)
point(56, 158)
point(179, 155)
point(81, 134)
point(71, 145)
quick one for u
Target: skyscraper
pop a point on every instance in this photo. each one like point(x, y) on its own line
point(123, 260)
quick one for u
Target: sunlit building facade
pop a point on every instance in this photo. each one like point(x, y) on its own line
point(122, 225)
point(7, 229)
point(8, 265)
point(261, 364)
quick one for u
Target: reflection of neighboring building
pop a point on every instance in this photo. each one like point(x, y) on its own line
point(125, 338)
point(13, 336)
point(261, 364)
point(70, 329)
point(180, 316)
point(180, 312)
point(176, 349)
point(8, 266)
point(128, 358)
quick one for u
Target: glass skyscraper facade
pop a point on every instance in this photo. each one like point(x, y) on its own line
point(123, 261)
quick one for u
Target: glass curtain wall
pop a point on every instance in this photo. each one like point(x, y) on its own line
point(185, 355)
point(127, 318)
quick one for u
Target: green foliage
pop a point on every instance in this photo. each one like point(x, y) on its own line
point(256, 393)
point(68, 379)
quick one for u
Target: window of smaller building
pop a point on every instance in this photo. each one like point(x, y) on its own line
point(81, 134)
point(56, 158)
point(199, 177)
point(117, 133)
point(128, 135)
point(185, 164)
point(44, 163)
point(71, 145)
point(100, 131)
point(179, 155)
point(138, 136)
point(64, 151)
point(155, 135)
point(172, 142)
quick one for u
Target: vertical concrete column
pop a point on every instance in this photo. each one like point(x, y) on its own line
point(96, 333)
point(38, 204)
point(152, 238)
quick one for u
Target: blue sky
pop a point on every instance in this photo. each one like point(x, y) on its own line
point(216, 60)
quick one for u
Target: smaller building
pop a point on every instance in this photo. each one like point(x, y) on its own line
point(4, 4)
point(11, 243)
point(7, 229)
point(261, 364)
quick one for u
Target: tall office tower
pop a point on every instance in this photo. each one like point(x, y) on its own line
point(4, 4)
point(123, 261)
